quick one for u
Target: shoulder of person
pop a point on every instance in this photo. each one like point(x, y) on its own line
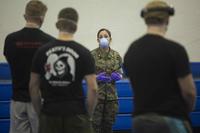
point(174, 44)
point(95, 51)
point(46, 46)
point(114, 52)
point(50, 37)
point(14, 34)
point(135, 43)
point(81, 48)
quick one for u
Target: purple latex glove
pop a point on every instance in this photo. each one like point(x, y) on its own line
point(116, 76)
point(103, 77)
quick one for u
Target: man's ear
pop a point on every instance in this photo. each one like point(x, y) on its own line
point(25, 17)
point(42, 18)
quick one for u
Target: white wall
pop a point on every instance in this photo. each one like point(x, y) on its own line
point(122, 17)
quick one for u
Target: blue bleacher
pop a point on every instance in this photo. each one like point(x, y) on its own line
point(126, 100)
point(5, 71)
point(5, 91)
point(195, 68)
point(5, 96)
point(4, 125)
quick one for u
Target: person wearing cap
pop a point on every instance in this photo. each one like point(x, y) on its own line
point(56, 79)
point(108, 69)
point(159, 71)
point(19, 49)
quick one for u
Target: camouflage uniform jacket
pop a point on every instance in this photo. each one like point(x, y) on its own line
point(107, 62)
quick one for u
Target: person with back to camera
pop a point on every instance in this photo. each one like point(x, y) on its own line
point(57, 73)
point(108, 69)
point(19, 49)
point(160, 74)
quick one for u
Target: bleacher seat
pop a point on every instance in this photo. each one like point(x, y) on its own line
point(5, 71)
point(195, 117)
point(197, 83)
point(4, 125)
point(123, 122)
point(197, 106)
point(4, 109)
point(5, 91)
point(124, 89)
point(125, 105)
point(195, 68)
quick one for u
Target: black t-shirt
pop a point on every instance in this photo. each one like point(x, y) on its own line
point(62, 66)
point(153, 65)
point(19, 49)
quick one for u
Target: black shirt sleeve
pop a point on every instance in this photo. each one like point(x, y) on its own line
point(127, 61)
point(5, 50)
point(89, 63)
point(9, 48)
point(182, 65)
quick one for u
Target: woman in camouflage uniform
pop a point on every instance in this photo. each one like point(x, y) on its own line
point(108, 65)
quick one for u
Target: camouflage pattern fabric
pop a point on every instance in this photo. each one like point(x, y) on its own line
point(107, 104)
point(107, 62)
point(104, 116)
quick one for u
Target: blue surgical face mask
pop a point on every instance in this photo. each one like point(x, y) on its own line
point(104, 43)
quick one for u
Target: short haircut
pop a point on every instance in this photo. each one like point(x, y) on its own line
point(156, 20)
point(156, 12)
point(67, 20)
point(104, 29)
point(35, 8)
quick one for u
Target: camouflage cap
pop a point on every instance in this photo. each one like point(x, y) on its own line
point(157, 9)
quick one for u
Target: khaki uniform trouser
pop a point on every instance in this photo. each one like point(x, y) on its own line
point(23, 118)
